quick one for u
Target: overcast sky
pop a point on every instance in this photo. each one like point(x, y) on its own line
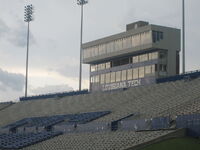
point(54, 47)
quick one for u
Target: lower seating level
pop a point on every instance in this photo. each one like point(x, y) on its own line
point(19, 140)
point(153, 101)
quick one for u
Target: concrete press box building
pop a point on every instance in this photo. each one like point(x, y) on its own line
point(136, 57)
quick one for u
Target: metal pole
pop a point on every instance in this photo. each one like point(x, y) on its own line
point(183, 34)
point(81, 42)
point(27, 53)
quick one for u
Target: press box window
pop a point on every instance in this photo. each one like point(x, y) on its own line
point(135, 59)
point(141, 72)
point(93, 68)
point(102, 78)
point(123, 75)
point(157, 36)
point(108, 65)
point(112, 77)
point(92, 79)
point(108, 78)
point(130, 74)
point(118, 76)
point(147, 70)
point(135, 73)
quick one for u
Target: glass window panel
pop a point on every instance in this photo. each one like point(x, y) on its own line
point(127, 42)
point(118, 76)
point(112, 77)
point(150, 56)
point(135, 59)
point(110, 47)
point(92, 68)
point(89, 52)
point(142, 38)
point(146, 37)
point(108, 78)
point(97, 79)
point(155, 55)
point(99, 67)
point(103, 66)
point(143, 57)
point(96, 67)
point(154, 36)
point(102, 49)
point(135, 73)
point(147, 70)
point(92, 51)
point(108, 65)
point(136, 40)
point(130, 74)
point(102, 78)
point(96, 51)
point(165, 68)
point(118, 45)
point(92, 79)
point(141, 72)
point(153, 69)
point(123, 75)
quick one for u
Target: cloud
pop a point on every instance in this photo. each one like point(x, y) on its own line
point(51, 89)
point(13, 81)
point(16, 36)
point(3, 28)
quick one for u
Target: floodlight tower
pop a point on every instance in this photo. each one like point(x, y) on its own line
point(28, 17)
point(81, 3)
point(183, 34)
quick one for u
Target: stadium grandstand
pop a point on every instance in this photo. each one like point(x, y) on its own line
point(137, 101)
point(133, 118)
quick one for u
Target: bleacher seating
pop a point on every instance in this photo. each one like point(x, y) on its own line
point(16, 141)
point(114, 124)
point(187, 76)
point(4, 105)
point(160, 123)
point(191, 122)
point(98, 141)
point(152, 101)
point(54, 95)
point(49, 121)
point(86, 117)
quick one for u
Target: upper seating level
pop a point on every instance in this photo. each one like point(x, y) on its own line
point(4, 105)
point(54, 95)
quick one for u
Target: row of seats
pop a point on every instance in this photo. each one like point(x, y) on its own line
point(99, 141)
point(53, 120)
point(165, 99)
point(4, 105)
point(54, 95)
point(16, 141)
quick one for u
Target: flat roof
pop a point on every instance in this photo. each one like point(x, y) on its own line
point(125, 34)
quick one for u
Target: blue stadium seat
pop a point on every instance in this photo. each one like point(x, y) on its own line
point(16, 141)
point(160, 123)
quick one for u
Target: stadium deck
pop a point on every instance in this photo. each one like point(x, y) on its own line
point(169, 99)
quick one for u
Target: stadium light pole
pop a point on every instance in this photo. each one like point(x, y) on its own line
point(28, 17)
point(183, 34)
point(81, 3)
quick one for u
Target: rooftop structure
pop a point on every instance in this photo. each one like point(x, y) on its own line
point(138, 56)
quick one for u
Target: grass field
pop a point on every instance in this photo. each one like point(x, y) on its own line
point(176, 144)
